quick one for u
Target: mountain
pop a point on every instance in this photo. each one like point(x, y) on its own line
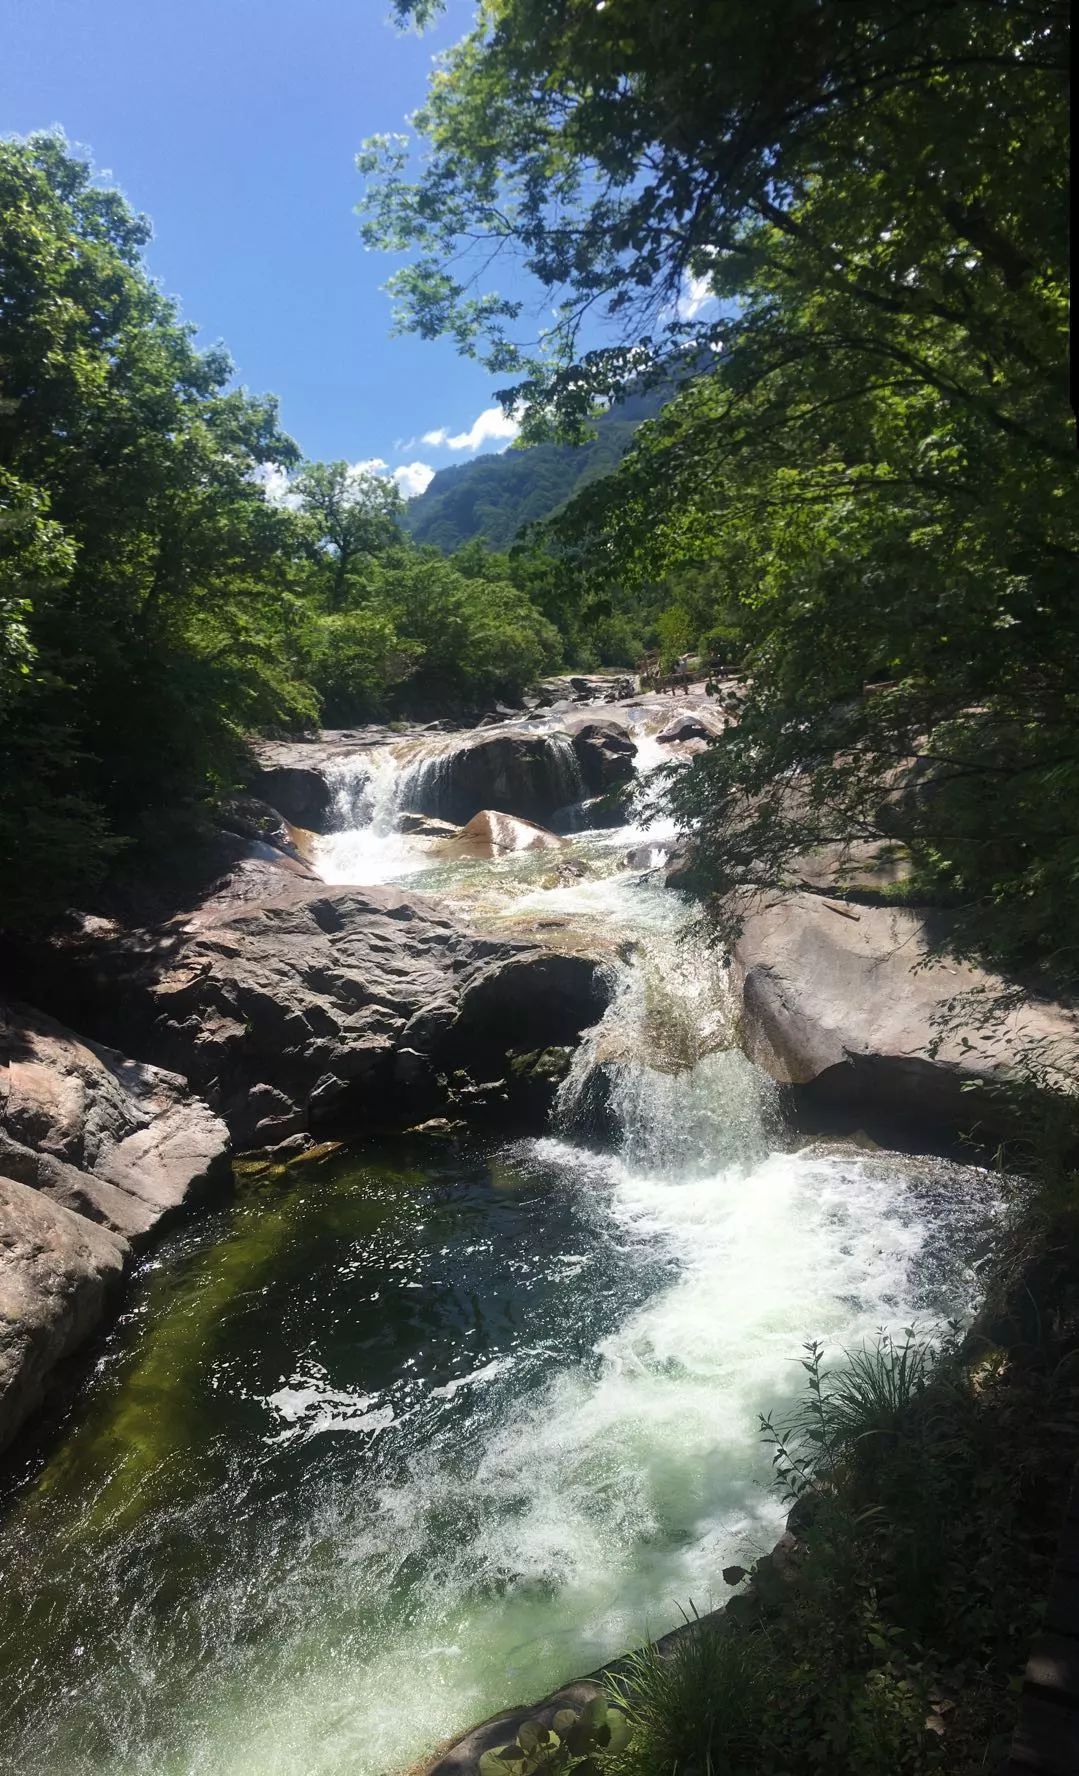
point(493, 496)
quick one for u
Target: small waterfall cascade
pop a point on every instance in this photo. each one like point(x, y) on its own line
point(568, 784)
point(370, 790)
point(428, 781)
point(661, 1075)
point(537, 771)
point(366, 790)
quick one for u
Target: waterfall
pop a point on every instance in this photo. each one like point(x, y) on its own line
point(660, 1076)
point(369, 791)
point(426, 783)
point(366, 790)
point(567, 780)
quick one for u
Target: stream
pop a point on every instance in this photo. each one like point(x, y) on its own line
point(385, 1444)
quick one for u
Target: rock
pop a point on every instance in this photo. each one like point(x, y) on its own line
point(542, 1000)
point(58, 1275)
point(647, 857)
point(699, 724)
point(301, 793)
point(733, 1575)
point(425, 826)
point(861, 870)
point(529, 775)
point(107, 1137)
point(439, 1128)
point(833, 1004)
point(490, 834)
point(680, 868)
point(606, 755)
point(609, 810)
point(250, 818)
point(335, 1001)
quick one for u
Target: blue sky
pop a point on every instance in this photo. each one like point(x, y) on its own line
point(234, 125)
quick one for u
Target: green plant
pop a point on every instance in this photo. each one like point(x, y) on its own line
point(703, 1706)
point(573, 1742)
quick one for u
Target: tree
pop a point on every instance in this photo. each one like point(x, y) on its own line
point(879, 479)
point(627, 152)
point(144, 581)
point(351, 513)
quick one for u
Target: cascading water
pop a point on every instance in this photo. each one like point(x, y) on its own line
point(390, 1445)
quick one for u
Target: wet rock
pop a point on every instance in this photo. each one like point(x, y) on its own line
point(490, 834)
point(326, 1007)
point(835, 1004)
point(301, 793)
point(439, 1128)
point(425, 826)
point(606, 754)
point(647, 857)
point(699, 724)
point(607, 811)
point(59, 1274)
point(528, 775)
point(105, 1136)
point(252, 819)
point(542, 1000)
point(680, 869)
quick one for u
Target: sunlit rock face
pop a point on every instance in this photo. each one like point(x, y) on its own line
point(59, 1274)
point(490, 834)
point(113, 1139)
point(839, 1000)
point(290, 1009)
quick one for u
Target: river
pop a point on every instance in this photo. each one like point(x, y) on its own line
point(385, 1444)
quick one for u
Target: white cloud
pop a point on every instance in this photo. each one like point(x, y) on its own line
point(492, 425)
point(413, 477)
point(696, 295)
point(274, 482)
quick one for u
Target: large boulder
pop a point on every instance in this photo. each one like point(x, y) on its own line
point(263, 827)
point(499, 835)
point(105, 1136)
point(303, 779)
point(606, 755)
point(531, 1001)
point(300, 792)
point(58, 1276)
point(530, 775)
point(699, 723)
point(841, 1003)
point(311, 1007)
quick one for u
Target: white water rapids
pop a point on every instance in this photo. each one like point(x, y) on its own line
point(549, 1365)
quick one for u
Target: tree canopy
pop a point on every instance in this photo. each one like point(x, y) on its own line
point(877, 481)
point(156, 607)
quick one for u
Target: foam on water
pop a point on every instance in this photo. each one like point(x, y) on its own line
point(506, 1512)
point(574, 1518)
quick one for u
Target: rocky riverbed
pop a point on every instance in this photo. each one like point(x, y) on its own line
point(466, 940)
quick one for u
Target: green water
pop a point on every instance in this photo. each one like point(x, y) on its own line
point(194, 1514)
point(391, 1442)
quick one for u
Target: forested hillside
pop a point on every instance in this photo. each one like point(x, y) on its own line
point(493, 496)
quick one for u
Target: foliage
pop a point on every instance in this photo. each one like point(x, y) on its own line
point(929, 1484)
point(573, 1742)
point(156, 606)
point(141, 587)
point(873, 489)
point(701, 1706)
point(348, 514)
